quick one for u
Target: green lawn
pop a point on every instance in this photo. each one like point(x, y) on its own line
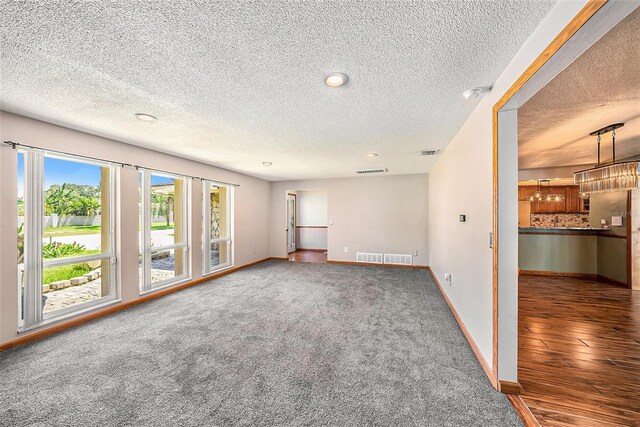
point(161, 226)
point(74, 230)
point(71, 230)
point(64, 272)
point(80, 253)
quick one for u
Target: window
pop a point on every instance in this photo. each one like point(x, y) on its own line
point(217, 226)
point(66, 260)
point(163, 230)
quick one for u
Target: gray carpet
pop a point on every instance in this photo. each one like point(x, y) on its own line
point(278, 344)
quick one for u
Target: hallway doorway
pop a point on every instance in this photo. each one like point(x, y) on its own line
point(307, 225)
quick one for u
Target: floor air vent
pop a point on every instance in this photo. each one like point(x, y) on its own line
point(368, 171)
point(398, 259)
point(369, 258)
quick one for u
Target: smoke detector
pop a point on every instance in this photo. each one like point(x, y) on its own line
point(476, 92)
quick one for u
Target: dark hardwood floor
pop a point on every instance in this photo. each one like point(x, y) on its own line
point(308, 256)
point(579, 351)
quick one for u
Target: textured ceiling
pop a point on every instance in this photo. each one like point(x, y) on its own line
point(236, 83)
point(599, 88)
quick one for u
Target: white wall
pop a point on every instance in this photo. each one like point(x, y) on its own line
point(311, 207)
point(251, 218)
point(382, 214)
point(461, 182)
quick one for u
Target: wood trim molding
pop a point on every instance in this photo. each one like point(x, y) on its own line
point(612, 281)
point(509, 387)
point(311, 250)
point(523, 411)
point(466, 333)
point(574, 25)
point(613, 236)
point(592, 276)
point(629, 243)
point(311, 226)
point(494, 266)
point(588, 276)
point(68, 324)
point(370, 264)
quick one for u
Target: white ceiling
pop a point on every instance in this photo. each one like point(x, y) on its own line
point(237, 83)
point(599, 88)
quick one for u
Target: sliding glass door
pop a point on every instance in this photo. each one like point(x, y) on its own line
point(66, 257)
point(163, 230)
point(217, 226)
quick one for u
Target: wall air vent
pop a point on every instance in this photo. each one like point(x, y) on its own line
point(398, 259)
point(429, 152)
point(369, 171)
point(369, 258)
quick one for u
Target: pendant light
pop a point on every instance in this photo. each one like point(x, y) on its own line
point(619, 176)
point(540, 195)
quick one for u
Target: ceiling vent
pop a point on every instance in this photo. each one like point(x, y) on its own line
point(369, 171)
point(429, 152)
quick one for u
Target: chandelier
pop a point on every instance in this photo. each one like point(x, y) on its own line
point(542, 195)
point(619, 176)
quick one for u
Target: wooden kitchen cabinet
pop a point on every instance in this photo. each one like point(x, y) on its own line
point(571, 202)
point(574, 202)
point(525, 192)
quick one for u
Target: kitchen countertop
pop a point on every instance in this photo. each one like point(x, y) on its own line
point(561, 229)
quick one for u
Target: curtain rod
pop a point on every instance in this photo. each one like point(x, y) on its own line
point(14, 145)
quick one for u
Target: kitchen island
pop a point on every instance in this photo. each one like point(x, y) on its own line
point(573, 251)
point(563, 230)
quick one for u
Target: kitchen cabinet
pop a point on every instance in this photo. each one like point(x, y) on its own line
point(526, 191)
point(574, 203)
point(543, 206)
point(570, 203)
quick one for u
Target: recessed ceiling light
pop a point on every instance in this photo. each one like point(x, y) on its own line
point(476, 92)
point(266, 163)
point(336, 79)
point(145, 117)
point(371, 155)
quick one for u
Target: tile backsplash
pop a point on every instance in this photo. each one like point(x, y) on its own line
point(546, 220)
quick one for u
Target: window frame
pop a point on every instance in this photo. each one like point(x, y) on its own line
point(207, 241)
point(30, 308)
point(146, 249)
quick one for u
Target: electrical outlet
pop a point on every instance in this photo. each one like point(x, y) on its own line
point(447, 278)
point(346, 249)
point(415, 253)
point(254, 250)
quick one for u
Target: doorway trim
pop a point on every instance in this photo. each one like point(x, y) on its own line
point(590, 9)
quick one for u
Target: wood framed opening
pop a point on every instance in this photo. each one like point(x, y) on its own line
point(596, 19)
